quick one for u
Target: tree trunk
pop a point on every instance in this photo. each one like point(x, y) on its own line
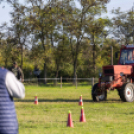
point(57, 68)
point(94, 63)
point(57, 72)
point(45, 73)
point(75, 63)
point(21, 56)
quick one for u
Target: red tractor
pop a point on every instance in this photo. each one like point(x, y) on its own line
point(120, 77)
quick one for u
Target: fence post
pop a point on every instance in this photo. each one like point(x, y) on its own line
point(61, 82)
point(76, 80)
point(92, 81)
point(56, 81)
point(37, 82)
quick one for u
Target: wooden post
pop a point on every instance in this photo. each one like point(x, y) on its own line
point(61, 82)
point(56, 81)
point(37, 82)
point(111, 55)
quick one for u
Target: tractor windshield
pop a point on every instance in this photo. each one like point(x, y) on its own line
point(127, 56)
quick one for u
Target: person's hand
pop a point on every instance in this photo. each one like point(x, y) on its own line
point(22, 80)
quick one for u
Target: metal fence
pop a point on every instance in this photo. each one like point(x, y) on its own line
point(61, 81)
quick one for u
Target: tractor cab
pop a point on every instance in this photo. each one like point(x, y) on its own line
point(126, 55)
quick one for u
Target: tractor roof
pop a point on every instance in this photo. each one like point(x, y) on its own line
point(127, 46)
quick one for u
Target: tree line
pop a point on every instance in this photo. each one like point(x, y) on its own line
point(65, 38)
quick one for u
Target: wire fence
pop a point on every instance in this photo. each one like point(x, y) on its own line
point(61, 81)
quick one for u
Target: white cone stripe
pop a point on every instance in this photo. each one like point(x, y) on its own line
point(82, 114)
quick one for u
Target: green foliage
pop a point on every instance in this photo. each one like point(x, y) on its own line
point(67, 39)
point(123, 25)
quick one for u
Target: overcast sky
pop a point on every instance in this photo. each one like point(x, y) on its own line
point(125, 5)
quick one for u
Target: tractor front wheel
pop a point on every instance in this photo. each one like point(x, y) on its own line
point(98, 94)
point(127, 92)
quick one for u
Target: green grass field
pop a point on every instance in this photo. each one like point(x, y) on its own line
point(50, 115)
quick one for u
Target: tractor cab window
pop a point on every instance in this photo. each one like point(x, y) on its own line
point(127, 56)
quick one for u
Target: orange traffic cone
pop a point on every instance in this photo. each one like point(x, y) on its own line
point(36, 100)
point(80, 101)
point(82, 117)
point(69, 122)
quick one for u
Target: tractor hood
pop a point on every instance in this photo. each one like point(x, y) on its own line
point(112, 70)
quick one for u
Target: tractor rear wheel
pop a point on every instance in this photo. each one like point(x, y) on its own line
point(98, 94)
point(127, 92)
